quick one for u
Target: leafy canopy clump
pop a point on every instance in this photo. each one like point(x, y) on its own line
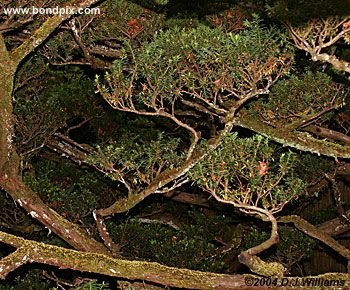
point(249, 171)
point(300, 99)
point(139, 160)
point(199, 64)
point(73, 192)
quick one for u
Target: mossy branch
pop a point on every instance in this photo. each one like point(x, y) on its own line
point(30, 251)
point(170, 175)
point(315, 233)
point(298, 140)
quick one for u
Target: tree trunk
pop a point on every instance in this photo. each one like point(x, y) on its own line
point(10, 179)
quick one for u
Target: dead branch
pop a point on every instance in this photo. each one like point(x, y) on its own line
point(328, 133)
point(108, 241)
point(336, 226)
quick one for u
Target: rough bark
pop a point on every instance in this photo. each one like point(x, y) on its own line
point(10, 180)
point(7, 72)
point(315, 233)
point(328, 134)
point(294, 139)
point(45, 30)
point(68, 231)
point(336, 226)
point(29, 251)
point(338, 64)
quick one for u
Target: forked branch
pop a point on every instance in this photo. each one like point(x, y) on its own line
point(319, 35)
point(249, 257)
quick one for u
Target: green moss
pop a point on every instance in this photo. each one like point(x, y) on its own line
point(299, 140)
point(266, 269)
point(92, 286)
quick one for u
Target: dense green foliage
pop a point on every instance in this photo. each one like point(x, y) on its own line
point(142, 159)
point(73, 192)
point(151, 93)
point(292, 248)
point(202, 63)
point(191, 244)
point(250, 171)
point(299, 99)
